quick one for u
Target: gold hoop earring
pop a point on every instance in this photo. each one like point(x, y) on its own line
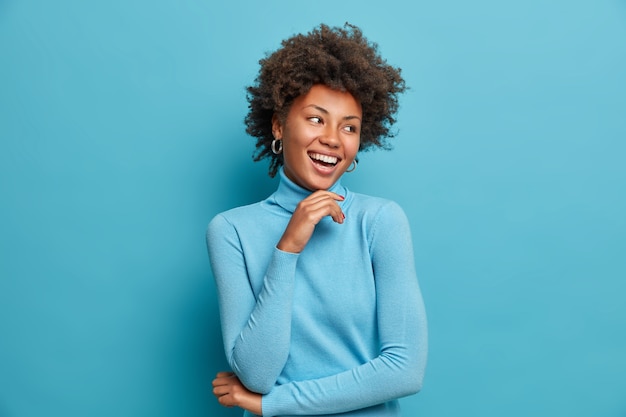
point(277, 146)
point(352, 166)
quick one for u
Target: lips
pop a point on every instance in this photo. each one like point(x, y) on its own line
point(326, 160)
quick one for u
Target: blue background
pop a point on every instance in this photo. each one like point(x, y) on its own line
point(121, 135)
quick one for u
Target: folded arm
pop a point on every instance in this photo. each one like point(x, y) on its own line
point(255, 327)
point(398, 370)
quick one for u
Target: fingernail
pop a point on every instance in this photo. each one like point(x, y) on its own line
point(342, 197)
point(344, 216)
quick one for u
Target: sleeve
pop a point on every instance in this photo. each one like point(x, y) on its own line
point(248, 322)
point(398, 370)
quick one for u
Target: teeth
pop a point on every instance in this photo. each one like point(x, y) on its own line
point(324, 158)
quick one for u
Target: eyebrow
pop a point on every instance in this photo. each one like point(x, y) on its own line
point(323, 110)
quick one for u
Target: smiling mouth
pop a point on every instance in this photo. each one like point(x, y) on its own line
point(325, 160)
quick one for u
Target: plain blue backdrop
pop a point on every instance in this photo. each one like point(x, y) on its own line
point(121, 136)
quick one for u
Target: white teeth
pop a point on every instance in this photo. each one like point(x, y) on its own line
point(324, 158)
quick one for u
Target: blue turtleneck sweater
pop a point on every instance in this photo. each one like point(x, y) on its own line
point(339, 327)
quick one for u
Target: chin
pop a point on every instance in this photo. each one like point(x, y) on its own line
point(322, 185)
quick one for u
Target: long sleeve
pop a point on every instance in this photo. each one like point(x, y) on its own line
point(252, 319)
point(398, 370)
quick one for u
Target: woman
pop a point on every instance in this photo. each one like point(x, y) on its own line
point(320, 306)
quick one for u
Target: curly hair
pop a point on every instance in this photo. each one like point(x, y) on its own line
point(340, 58)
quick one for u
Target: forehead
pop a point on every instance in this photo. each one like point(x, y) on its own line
point(337, 102)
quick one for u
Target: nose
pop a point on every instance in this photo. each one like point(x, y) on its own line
point(330, 139)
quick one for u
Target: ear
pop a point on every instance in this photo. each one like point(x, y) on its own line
point(277, 127)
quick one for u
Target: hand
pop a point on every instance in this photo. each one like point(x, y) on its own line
point(230, 392)
point(307, 215)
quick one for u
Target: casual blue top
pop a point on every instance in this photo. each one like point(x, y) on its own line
point(339, 327)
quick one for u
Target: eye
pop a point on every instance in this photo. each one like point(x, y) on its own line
point(351, 129)
point(315, 119)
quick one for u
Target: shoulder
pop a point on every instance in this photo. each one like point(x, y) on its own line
point(383, 220)
point(377, 208)
point(234, 218)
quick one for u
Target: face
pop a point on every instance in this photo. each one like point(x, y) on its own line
point(321, 136)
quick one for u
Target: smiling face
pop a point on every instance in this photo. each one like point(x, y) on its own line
point(321, 136)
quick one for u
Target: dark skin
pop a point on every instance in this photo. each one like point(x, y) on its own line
point(330, 127)
point(345, 60)
point(228, 389)
point(230, 392)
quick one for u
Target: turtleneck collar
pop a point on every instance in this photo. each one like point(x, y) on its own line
point(289, 194)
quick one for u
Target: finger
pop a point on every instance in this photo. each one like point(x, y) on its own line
point(325, 207)
point(320, 199)
point(336, 196)
point(224, 380)
point(224, 375)
point(226, 400)
point(324, 194)
point(221, 390)
point(313, 215)
point(219, 381)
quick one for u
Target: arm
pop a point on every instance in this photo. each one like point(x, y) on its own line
point(230, 392)
point(249, 323)
point(399, 368)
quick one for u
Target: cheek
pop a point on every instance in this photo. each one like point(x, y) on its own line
point(352, 147)
point(298, 136)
